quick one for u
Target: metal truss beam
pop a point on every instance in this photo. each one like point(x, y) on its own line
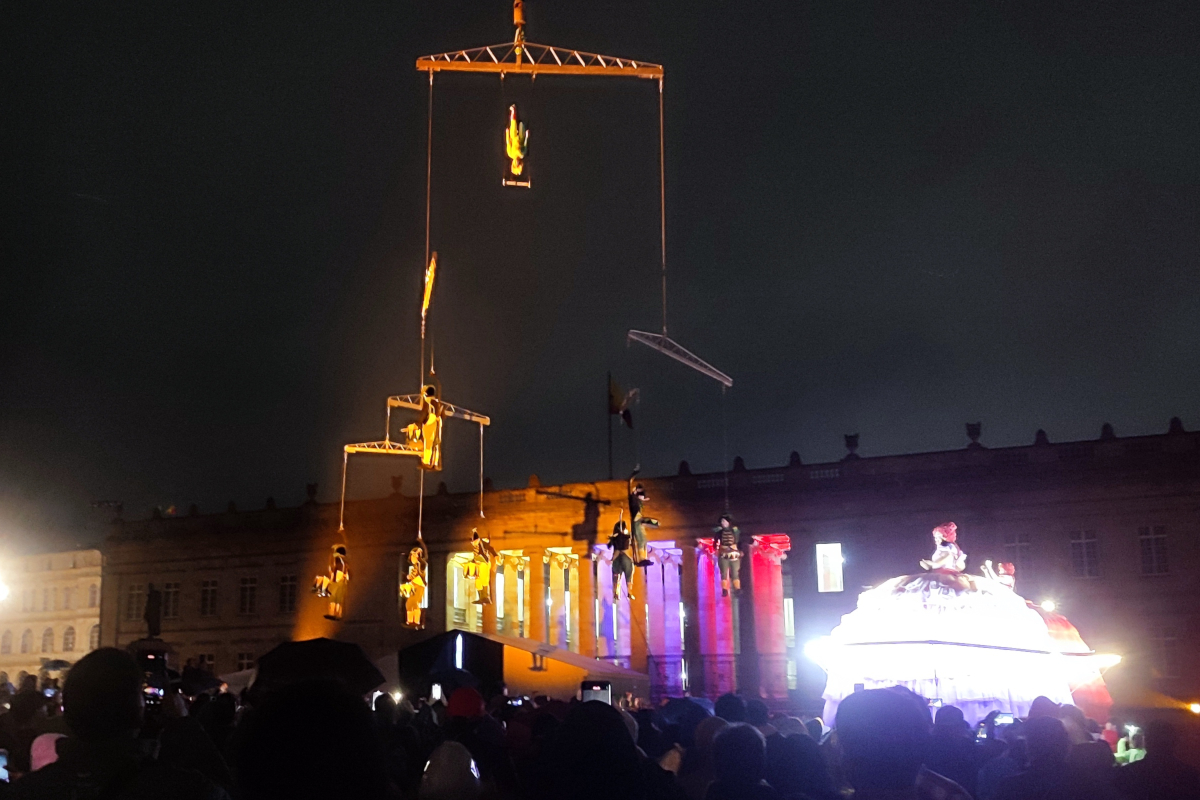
point(537, 59)
point(668, 346)
point(413, 401)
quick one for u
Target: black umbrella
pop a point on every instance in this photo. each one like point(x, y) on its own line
point(318, 659)
point(678, 709)
point(55, 664)
point(196, 681)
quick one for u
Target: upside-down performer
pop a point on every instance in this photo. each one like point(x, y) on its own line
point(516, 142)
point(619, 542)
point(430, 439)
point(413, 588)
point(479, 568)
point(729, 557)
point(638, 521)
point(967, 640)
point(333, 584)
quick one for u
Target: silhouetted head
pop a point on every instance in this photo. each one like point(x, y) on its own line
point(757, 712)
point(739, 755)
point(103, 696)
point(884, 734)
point(593, 754)
point(730, 708)
point(311, 740)
point(1047, 740)
point(1161, 738)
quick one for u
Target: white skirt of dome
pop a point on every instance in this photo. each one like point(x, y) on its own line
point(966, 640)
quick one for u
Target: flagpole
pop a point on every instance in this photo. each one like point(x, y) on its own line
point(608, 419)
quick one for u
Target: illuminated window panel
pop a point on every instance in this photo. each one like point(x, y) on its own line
point(829, 567)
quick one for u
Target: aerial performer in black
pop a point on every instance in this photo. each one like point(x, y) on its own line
point(638, 522)
point(729, 557)
point(622, 565)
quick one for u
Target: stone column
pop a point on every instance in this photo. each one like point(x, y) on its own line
point(585, 599)
point(747, 642)
point(689, 593)
point(637, 623)
point(557, 610)
point(489, 611)
point(511, 599)
point(535, 582)
point(435, 615)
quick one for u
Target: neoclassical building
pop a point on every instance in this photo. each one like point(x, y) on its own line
point(1107, 528)
point(52, 612)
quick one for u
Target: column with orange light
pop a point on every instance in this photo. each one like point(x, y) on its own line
point(584, 598)
point(535, 585)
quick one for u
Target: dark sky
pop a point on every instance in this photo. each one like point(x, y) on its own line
point(887, 218)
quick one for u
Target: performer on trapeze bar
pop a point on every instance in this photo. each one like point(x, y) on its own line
point(413, 588)
point(622, 565)
point(516, 142)
point(333, 584)
point(479, 568)
point(729, 557)
point(637, 496)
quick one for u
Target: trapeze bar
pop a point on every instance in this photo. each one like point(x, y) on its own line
point(667, 346)
point(413, 401)
point(534, 59)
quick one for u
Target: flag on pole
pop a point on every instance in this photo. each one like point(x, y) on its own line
point(619, 402)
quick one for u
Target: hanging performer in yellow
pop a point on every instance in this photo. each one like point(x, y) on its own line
point(431, 430)
point(479, 568)
point(516, 142)
point(333, 584)
point(413, 588)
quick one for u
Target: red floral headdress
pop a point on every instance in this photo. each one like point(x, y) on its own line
point(947, 530)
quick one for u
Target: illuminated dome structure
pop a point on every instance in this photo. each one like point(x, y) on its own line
point(966, 640)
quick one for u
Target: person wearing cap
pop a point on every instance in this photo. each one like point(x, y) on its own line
point(729, 556)
point(638, 521)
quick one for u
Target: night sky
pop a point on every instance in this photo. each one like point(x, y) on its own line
point(887, 218)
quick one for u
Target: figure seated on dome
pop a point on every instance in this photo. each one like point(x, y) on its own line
point(948, 556)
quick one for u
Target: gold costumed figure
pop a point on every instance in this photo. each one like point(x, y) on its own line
point(430, 430)
point(479, 568)
point(516, 142)
point(333, 584)
point(413, 588)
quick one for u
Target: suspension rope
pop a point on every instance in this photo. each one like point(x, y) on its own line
point(662, 203)
point(428, 185)
point(420, 501)
point(725, 448)
point(481, 470)
point(342, 508)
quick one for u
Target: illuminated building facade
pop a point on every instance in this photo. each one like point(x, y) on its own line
point(52, 612)
point(1107, 529)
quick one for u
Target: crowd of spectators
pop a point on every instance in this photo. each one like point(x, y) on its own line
point(98, 741)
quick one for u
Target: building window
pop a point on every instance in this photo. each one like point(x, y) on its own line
point(68, 596)
point(27, 641)
point(6, 644)
point(69, 640)
point(1166, 651)
point(48, 640)
point(135, 601)
point(94, 637)
point(287, 594)
point(93, 596)
point(206, 661)
point(170, 600)
point(1018, 550)
point(56, 600)
point(1154, 550)
point(26, 600)
point(245, 661)
point(45, 599)
point(829, 567)
point(208, 599)
point(248, 596)
point(1084, 558)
